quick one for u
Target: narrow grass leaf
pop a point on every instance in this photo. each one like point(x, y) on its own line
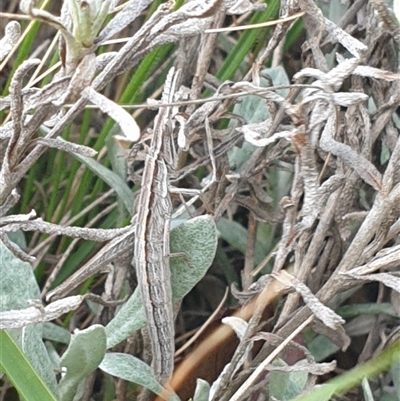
point(20, 372)
point(343, 383)
point(112, 179)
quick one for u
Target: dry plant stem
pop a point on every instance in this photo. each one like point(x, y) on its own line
point(70, 248)
point(88, 389)
point(254, 26)
point(379, 212)
point(128, 56)
point(373, 339)
point(118, 246)
point(13, 16)
point(38, 313)
point(10, 202)
point(232, 96)
point(206, 53)
point(68, 222)
point(49, 51)
point(21, 39)
point(249, 256)
point(250, 381)
point(232, 190)
point(270, 289)
point(253, 160)
point(277, 36)
point(100, 82)
point(265, 261)
point(92, 234)
point(316, 245)
point(351, 13)
point(216, 339)
point(16, 250)
point(204, 326)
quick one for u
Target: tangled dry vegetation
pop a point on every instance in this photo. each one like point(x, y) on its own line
point(292, 146)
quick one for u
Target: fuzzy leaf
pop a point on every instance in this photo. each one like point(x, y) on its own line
point(202, 391)
point(198, 239)
point(83, 355)
point(286, 385)
point(132, 369)
point(17, 286)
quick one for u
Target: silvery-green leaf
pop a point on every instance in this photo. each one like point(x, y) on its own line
point(236, 235)
point(83, 355)
point(284, 386)
point(17, 286)
point(132, 369)
point(254, 110)
point(35, 350)
point(56, 333)
point(202, 392)
point(198, 239)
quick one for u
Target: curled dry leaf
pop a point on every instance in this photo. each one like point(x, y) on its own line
point(129, 127)
point(234, 7)
point(17, 218)
point(238, 325)
point(353, 45)
point(16, 250)
point(132, 9)
point(322, 312)
point(103, 59)
point(10, 38)
point(385, 259)
point(389, 280)
point(364, 168)
point(317, 369)
point(49, 93)
point(252, 136)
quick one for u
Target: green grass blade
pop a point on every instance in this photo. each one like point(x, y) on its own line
point(20, 372)
point(353, 378)
point(247, 41)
